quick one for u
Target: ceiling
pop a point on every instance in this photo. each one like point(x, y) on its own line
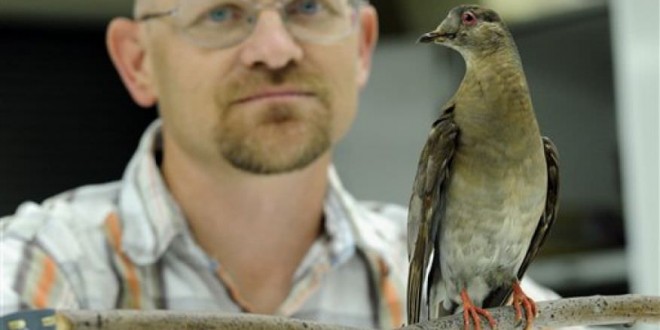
point(397, 16)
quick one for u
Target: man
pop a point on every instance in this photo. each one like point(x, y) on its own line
point(231, 202)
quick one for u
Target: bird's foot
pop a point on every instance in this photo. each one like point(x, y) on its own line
point(471, 314)
point(520, 300)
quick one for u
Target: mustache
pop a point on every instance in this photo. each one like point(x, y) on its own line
point(252, 82)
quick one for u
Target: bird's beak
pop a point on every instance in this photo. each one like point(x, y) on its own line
point(437, 37)
point(428, 37)
point(446, 31)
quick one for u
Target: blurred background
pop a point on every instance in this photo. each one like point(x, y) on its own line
point(592, 66)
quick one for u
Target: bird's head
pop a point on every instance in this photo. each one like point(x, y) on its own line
point(470, 29)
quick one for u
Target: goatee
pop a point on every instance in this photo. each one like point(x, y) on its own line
point(279, 138)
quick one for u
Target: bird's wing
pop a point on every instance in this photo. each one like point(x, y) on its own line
point(500, 295)
point(427, 205)
point(551, 205)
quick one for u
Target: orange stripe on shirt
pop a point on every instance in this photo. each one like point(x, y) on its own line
point(393, 302)
point(113, 225)
point(389, 292)
point(45, 284)
point(232, 289)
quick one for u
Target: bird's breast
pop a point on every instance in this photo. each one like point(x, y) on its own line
point(495, 198)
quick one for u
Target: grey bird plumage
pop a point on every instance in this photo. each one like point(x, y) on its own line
point(485, 193)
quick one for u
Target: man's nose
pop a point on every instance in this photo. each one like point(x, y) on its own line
point(270, 43)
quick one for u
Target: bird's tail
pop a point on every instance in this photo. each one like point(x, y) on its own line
point(415, 288)
point(416, 275)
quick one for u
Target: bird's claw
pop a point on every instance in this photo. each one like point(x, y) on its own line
point(519, 321)
point(471, 314)
point(521, 300)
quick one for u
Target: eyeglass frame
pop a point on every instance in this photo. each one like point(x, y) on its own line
point(257, 9)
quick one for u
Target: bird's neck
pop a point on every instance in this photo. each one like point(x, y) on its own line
point(496, 78)
point(500, 61)
point(494, 96)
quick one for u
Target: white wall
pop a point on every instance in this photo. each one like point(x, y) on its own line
point(635, 34)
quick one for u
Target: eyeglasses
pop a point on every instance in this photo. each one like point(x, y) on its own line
point(225, 23)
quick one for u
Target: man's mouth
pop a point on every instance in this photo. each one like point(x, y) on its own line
point(273, 95)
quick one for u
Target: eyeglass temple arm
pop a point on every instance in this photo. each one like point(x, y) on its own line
point(147, 17)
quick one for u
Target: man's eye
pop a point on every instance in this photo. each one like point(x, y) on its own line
point(307, 7)
point(223, 14)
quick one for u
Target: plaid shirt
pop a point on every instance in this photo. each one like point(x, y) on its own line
point(126, 244)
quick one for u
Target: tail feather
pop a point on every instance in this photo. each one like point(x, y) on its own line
point(415, 286)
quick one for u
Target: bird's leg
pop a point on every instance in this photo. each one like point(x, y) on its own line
point(521, 299)
point(470, 311)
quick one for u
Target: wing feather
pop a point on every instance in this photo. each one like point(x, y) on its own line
point(551, 205)
point(427, 206)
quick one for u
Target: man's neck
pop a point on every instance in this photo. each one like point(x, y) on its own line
point(257, 227)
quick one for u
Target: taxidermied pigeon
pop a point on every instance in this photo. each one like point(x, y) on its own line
point(485, 193)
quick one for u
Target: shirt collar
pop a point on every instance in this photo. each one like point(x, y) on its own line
point(151, 218)
point(370, 230)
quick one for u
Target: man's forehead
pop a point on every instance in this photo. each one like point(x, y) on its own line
point(143, 6)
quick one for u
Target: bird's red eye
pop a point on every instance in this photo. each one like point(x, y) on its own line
point(469, 18)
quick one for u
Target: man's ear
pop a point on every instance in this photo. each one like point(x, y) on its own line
point(367, 42)
point(128, 55)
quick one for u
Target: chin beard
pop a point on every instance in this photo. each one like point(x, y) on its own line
point(268, 150)
point(257, 162)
